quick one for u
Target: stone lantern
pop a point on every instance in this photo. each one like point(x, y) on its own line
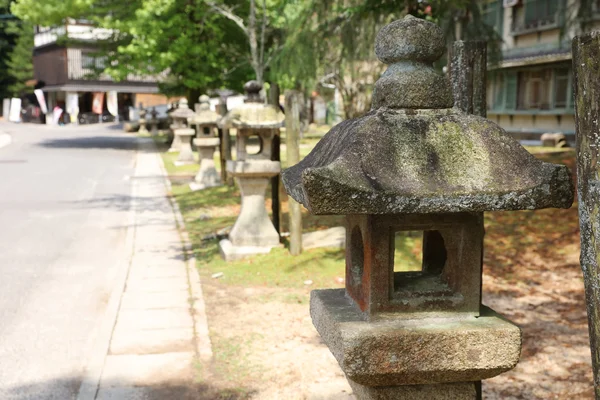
point(176, 142)
point(154, 122)
point(206, 142)
point(143, 121)
point(180, 117)
point(415, 163)
point(253, 231)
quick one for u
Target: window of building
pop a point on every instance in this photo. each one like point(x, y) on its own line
point(561, 88)
point(540, 12)
point(91, 61)
point(492, 12)
point(533, 90)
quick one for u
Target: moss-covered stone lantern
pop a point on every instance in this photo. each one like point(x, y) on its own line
point(182, 132)
point(253, 231)
point(206, 141)
point(415, 163)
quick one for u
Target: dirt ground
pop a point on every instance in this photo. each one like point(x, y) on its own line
point(265, 346)
point(275, 353)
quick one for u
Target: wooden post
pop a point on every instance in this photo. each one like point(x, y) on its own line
point(586, 72)
point(276, 156)
point(225, 144)
point(292, 134)
point(469, 76)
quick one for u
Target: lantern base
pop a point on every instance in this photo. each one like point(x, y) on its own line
point(392, 351)
point(442, 391)
point(230, 252)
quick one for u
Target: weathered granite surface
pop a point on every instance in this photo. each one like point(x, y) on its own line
point(204, 115)
point(390, 351)
point(254, 113)
point(413, 153)
point(423, 161)
point(442, 391)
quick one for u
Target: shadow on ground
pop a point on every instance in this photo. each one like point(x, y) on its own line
point(94, 142)
point(69, 387)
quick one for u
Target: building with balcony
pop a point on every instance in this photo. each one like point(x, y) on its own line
point(530, 90)
point(64, 61)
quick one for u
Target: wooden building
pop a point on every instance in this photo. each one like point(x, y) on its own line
point(65, 59)
point(530, 90)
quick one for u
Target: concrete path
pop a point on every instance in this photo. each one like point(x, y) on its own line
point(160, 332)
point(97, 300)
point(64, 201)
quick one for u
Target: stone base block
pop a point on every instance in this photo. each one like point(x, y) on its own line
point(194, 186)
point(229, 252)
point(180, 163)
point(391, 351)
point(443, 391)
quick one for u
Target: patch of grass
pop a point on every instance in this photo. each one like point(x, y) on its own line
point(231, 356)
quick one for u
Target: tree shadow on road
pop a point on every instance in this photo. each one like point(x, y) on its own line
point(67, 388)
point(128, 143)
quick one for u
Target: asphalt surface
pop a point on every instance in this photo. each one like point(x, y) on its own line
point(64, 200)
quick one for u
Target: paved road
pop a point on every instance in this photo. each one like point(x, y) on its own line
point(64, 199)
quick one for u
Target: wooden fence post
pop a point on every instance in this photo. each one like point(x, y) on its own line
point(292, 135)
point(468, 74)
point(586, 72)
point(273, 99)
point(225, 144)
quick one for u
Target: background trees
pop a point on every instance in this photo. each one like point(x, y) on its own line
point(196, 45)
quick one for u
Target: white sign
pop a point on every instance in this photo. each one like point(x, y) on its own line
point(15, 110)
point(112, 104)
point(72, 105)
point(41, 100)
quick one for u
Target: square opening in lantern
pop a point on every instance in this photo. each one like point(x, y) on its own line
point(419, 261)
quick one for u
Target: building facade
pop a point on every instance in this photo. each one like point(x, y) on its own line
point(530, 90)
point(64, 61)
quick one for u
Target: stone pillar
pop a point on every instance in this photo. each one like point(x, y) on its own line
point(416, 163)
point(206, 123)
point(253, 232)
point(143, 129)
point(586, 70)
point(182, 134)
point(186, 155)
point(207, 175)
point(154, 122)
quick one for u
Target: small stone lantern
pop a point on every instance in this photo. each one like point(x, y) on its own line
point(253, 231)
point(143, 113)
point(173, 124)
point(154, 122)
point(206, 142)
point(180, 120)
point(415, 163)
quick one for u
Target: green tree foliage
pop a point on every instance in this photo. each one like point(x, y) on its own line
point(331, 41)
point(19, 63)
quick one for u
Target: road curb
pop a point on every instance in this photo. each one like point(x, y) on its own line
point(202, 336)
point(5, 140)
point(93, 372)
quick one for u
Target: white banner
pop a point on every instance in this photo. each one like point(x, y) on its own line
point(72, 105)
point(41, 100)
point(15, 110)
point(111, 103)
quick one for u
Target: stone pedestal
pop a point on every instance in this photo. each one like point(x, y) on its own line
point(176, 143)
point(186, 155)
point(207, 175)
point(253, 231)
point(143, 128)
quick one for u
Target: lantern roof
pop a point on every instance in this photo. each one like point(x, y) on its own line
point(415, 153)
point(183, 111)
point(204, 115)
point(254, 113)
